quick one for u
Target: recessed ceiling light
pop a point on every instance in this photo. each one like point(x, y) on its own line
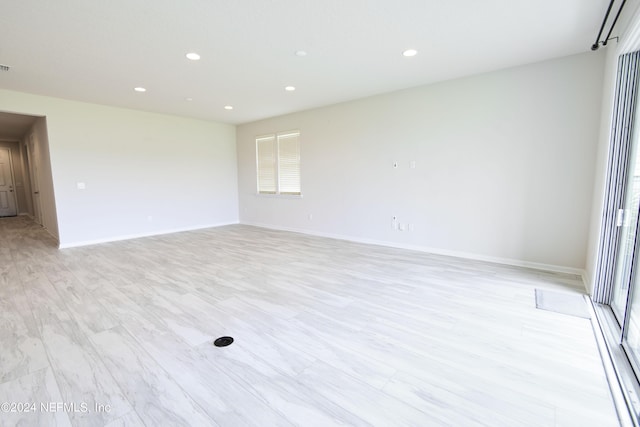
point(410, 52)
point(188, 99)
point(228, 107)
point(139, 89)
point(193, 56)
point(290, 88)
point(301, 53)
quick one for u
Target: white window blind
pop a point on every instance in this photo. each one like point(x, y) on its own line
point(278, 163)
point(289, 163)
point(266, 154)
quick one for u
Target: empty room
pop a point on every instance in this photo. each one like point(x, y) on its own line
point(319, 213)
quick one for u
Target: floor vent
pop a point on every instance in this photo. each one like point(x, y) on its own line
point(561, 302)
point(223, 341)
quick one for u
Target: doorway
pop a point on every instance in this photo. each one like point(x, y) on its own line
point(33, 187)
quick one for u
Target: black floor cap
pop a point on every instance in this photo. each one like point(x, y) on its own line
point(223, 341)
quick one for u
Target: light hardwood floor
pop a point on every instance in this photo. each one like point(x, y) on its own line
point(326, 333)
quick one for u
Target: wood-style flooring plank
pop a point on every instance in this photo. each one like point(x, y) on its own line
point(327, 333)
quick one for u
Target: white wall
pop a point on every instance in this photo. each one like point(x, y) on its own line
point(504, 165)
point(136, 165)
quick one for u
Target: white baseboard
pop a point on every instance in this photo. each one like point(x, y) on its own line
point(140, 235)
point(458, 254)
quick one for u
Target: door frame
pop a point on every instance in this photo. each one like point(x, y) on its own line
point(34, 178)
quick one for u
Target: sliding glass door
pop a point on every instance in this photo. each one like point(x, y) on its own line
point(616, 292)
point(626, 219)
point(625, 298)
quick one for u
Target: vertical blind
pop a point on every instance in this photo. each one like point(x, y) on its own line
point(617, 173)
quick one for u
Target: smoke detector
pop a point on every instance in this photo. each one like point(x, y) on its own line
point(4, 67)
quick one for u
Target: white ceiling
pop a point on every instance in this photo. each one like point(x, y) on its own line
point(98, 51)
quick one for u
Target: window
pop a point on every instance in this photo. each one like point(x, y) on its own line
point(278, 163)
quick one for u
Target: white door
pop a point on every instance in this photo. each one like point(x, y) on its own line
point(7, 190)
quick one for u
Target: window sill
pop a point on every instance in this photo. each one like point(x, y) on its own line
point(280, 196)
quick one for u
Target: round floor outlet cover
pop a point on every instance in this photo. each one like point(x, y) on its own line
point(223, 341)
